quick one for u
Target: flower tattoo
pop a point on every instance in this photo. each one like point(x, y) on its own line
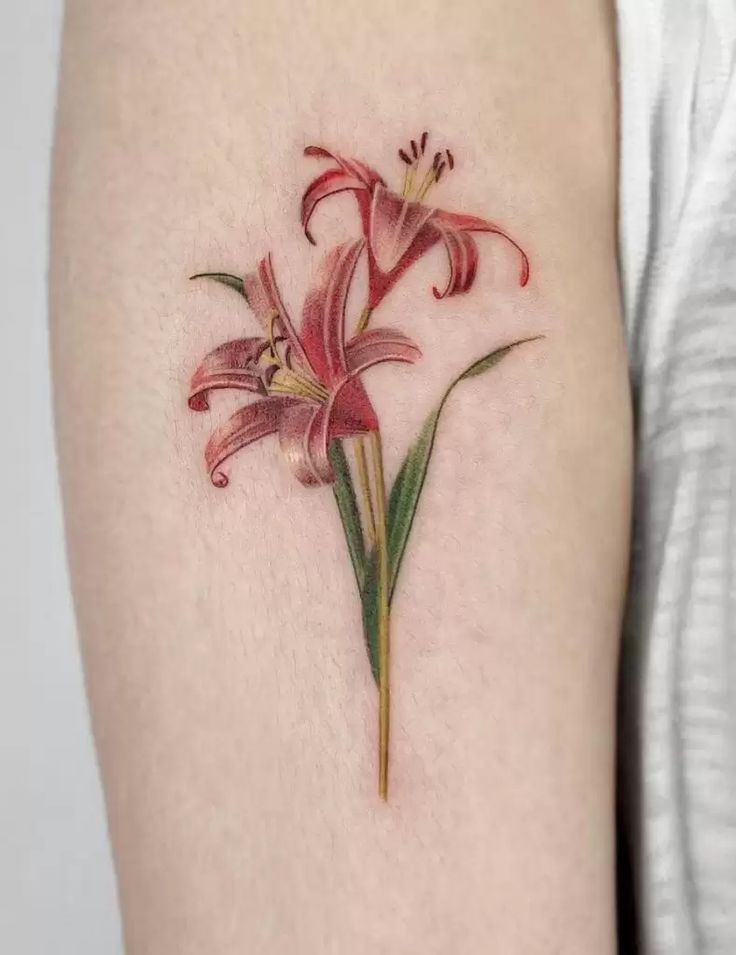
point(309, 384)
point(304, 382)
point(400, 227)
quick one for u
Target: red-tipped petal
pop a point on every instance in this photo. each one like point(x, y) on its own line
point(247, 425)
point(462, 253)
point(350, 411)
point(264, 298)
point(306, 430)
point(301, 440)
point(379, 345)
point(350, 174)
point(395, 224)
point(353, 167)
point(323, 316)
point(232, 365)
point(462, 223)
point(328, 184)
point(318, 152)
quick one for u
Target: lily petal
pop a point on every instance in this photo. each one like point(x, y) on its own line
point(351, 174)
point(350, 410)
point(456, 222)
point(353, 167)
point(299, 437)
point(328, 184)
point(323, 316)
point(247, 425)
point(232, 365)
point(265, 300)
point(462, 253)
point(306, 430)
point(378, 345)
point(395, 223)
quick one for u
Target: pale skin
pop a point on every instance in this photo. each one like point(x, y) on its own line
point(232, 704)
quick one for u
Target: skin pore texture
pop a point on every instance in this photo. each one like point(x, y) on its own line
point(232, 702)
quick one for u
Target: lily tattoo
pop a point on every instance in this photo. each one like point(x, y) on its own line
point(401, 227)
point(304, 383)
point(309, 382)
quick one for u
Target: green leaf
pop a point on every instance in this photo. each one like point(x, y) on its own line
point(364, 565)
point(407, 488)
point(403, 502)
point(224, 278)
point(348, 507)
point(369, 597)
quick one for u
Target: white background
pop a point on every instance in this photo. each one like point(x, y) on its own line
point(57, 894)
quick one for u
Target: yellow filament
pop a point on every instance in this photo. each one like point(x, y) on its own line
point(427, 183)
point(409, 180)
point(292, 383)
point(365, 317)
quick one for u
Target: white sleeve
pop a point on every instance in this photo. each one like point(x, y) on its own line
point(678, 269)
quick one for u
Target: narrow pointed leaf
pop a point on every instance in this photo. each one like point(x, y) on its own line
point(404, 500)
point(224, 278)
point(407, 488)
point(370, 613)
point(347, 506)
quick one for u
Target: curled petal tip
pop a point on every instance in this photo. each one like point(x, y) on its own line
point(524, 271)
point(524, 275)
point(219, 479)
point(198, 402)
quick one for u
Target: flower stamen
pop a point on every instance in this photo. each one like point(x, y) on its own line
point(278, 375)
point(412, 159)
point(272, 343)
point(293, 383)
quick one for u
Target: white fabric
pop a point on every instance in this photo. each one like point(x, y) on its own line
point(678, 260)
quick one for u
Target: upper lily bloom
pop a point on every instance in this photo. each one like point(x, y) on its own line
point(401, 227)
point(307, 381)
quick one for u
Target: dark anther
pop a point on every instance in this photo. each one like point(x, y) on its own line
point(436, 160)
point(423, 141)
point(404, 158)
point(450, 159)
point(264, 346)
point(440, 170)
point(268, 374)
point(414, 149)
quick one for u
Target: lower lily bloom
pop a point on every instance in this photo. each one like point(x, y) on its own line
point(400, 227)
point(307, 381)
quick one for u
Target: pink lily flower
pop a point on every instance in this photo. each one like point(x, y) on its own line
point(400, 227)
point(307, 382)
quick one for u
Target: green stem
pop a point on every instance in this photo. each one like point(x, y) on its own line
point(361, 462)
point(384, 691)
